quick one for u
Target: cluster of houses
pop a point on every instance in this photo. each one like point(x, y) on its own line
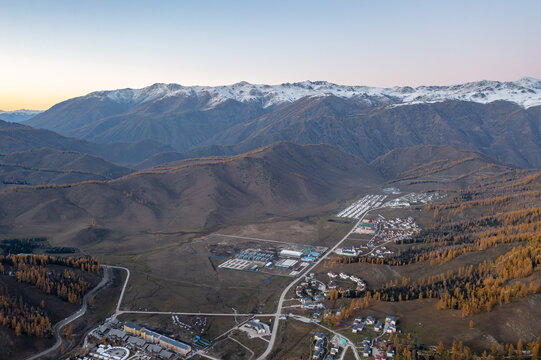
point(361, 285)
point(311, 293)
point(366, 227)
point(380, 350)
point(387, 328)
point(414, 198)
point(321, 351)
point(398, 228)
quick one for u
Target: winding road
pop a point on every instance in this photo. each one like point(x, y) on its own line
point(82, 310)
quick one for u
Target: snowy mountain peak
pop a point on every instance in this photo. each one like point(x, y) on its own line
point(525, 92)
point(18, 115)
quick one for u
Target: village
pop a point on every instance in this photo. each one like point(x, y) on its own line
point(373, 234)
point(313, 301)
point(327, 348)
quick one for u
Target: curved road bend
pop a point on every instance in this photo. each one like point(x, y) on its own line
point(59, 325)
point(117, 310)
point(286, 290)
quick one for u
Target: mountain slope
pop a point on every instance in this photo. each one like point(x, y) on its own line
point(435, 162)
point(501, 129)
point(18, 115)
point(18, 137)
point(277, 179)
point(181, 119)
point(48, 166)
point(185, 117)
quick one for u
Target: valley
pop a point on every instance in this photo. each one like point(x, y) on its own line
point(268, 239)
point(270, 180)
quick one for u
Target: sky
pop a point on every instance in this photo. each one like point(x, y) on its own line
point(54, 50)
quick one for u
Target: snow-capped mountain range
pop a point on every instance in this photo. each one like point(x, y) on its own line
point(525, 92)
point(18, 115)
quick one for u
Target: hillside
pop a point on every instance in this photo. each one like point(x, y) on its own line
point(501, 129)
point(18, 115)
point(181, 120)
point(276, 179)
point(17, 138)
point(48, 166)
point(430, 161)
point(487, 116)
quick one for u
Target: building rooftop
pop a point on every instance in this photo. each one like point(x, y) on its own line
point(154, 348)
point(174, 342)
point(133, 326)
point(151, 333)
point(118, 333)
point(136, 341)
point(256, 325)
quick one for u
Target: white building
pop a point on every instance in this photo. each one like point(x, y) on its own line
point(290, 253)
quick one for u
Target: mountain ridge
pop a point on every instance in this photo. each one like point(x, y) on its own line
point(275, 179)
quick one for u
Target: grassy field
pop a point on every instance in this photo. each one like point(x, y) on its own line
point(293, 341)
point(167, 276)
point(215, 325)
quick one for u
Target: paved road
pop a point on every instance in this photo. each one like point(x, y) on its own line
point(286, 290)
point(188, 313)
point(58, 327)
point(117, 310)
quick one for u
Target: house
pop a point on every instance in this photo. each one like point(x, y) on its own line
point(332, 285)
point(390, 351)
point(329, 357)
point(332, 275)
point(334, 350)
point(117, 334)
point(154, 349)
point(306, 300)
point(136, 342)
point(378, 326)
point(390, 329)
point(390, 319)
point(164, 354)
point(357, 328)
point(319, 344)
point(257, 326)
point(370, 320)
point(344, 276)
point(102, 329)
point(319, 336)
point(366, 350)
point(358, 320)
point(317, 354)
